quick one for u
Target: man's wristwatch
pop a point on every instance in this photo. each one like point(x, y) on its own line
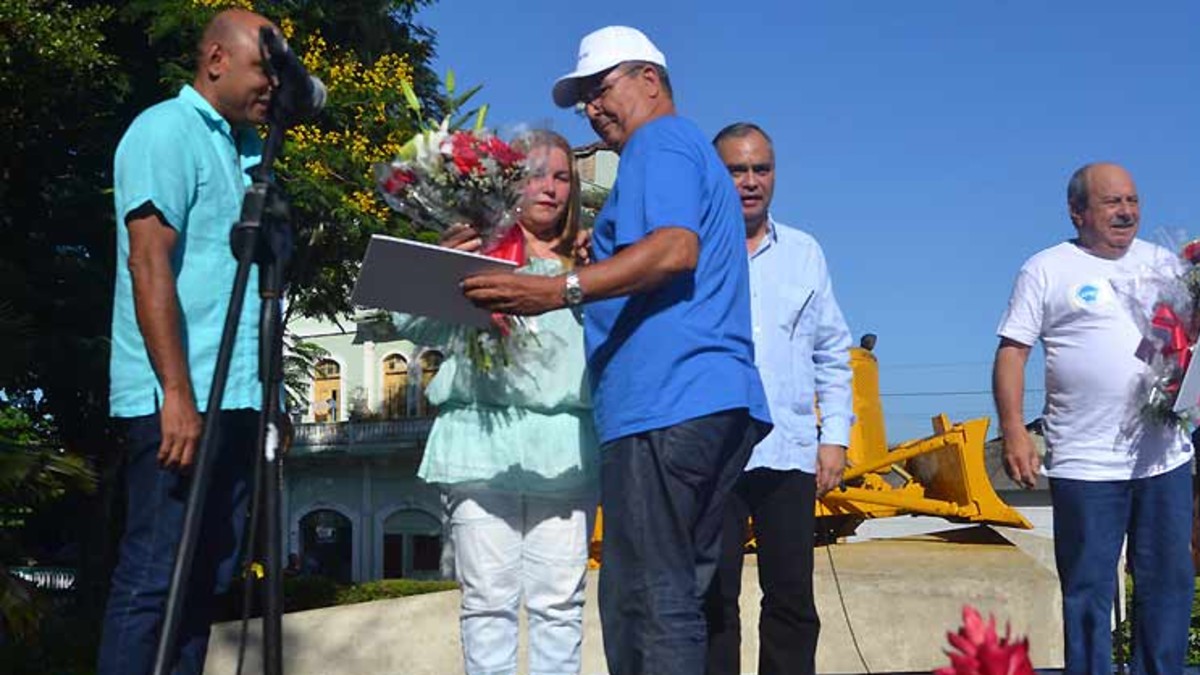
point(572, 292)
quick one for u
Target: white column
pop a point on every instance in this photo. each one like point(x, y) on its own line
point(370, 376)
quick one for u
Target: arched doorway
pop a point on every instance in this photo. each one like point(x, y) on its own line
point(395, 386)
point(327, 391)
point(327, 545)
point(431, 362)
point(412, 545)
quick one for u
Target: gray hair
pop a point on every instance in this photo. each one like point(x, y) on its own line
point(741, 130)
point(1077, 188)
point(661, 71)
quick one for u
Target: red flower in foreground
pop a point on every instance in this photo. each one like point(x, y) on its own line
point(978, 651)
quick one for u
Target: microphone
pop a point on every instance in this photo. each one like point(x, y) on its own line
point(297, 94)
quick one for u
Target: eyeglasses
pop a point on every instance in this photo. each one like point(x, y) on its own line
point(601, 90)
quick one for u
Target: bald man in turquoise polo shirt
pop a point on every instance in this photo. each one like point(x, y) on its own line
point(179, 176)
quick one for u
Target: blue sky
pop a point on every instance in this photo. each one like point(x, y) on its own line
point(926, 144)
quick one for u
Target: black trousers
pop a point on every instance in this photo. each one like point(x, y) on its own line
point(664, 494)
point(781, 504)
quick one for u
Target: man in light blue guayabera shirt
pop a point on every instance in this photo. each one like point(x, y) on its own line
point(802, 349)
point(179, 175)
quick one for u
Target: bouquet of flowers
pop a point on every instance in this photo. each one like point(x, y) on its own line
point(979, 651)
point(445, 175)
point(1165, 304)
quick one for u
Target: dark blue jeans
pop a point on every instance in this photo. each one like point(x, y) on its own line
point(155, 504)
point(664, 494)
point(1091, 519)
point(782, 504)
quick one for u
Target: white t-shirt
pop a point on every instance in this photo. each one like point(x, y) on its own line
point(1077, 305)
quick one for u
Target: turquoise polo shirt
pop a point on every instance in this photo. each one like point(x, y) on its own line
point(186, 160)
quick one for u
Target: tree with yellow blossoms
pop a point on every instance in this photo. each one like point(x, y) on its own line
point(365, 52)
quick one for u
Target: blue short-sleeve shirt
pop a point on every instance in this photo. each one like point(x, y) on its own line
point(683, 350)
point(182, 157)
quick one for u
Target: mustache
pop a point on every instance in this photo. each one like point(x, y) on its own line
point(1122, 221)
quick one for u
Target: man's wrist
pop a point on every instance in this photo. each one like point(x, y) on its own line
point(180, 390)
point(1012, 428)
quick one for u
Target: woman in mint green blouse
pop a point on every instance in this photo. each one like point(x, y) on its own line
point(514, 448)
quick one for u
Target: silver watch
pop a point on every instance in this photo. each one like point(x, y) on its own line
point(572, 291)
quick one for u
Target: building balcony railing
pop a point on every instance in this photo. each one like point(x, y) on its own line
point(47, 578)
point(328, 436)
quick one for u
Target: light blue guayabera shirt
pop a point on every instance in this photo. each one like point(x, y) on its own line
point(183, 157)
point(801, 348)
point(682, 350)
point(525, 427)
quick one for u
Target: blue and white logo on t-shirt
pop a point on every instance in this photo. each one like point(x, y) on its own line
point(1091, 294)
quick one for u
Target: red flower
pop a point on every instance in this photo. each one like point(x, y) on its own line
point(398, 180)
point(503, 152)
point(1191, 252)
point(981, 652)
point(464, 152)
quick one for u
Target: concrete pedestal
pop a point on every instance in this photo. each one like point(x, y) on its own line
point(885, 606)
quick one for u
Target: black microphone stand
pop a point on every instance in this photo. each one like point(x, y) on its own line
point(263, 236)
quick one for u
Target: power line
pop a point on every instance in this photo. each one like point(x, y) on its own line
point(980, 392)
point(944, 364)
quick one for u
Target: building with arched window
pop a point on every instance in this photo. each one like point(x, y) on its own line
point(354, 507)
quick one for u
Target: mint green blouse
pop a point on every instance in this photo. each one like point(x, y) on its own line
point(522, 427)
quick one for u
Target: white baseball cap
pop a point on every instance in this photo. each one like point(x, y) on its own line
point(601, 50)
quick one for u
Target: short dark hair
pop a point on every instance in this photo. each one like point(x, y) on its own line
point(741, 130)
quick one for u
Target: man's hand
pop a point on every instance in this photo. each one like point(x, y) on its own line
point(1021, 460)
point(151, 249)
point(181, 427)
point(831, 464)
point(519, 294)
point(461, 237)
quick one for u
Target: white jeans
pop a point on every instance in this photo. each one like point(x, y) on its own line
point(509, 546)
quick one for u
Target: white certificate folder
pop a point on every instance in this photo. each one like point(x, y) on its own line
point(422, 279)
point(1189, 390)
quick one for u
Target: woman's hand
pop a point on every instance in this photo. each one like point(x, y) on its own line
point(461, 237)
point(582, 248)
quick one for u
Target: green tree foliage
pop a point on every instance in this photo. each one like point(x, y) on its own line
point(30, 476)
point(365, 51)
point(59, 89)
point(72, 77)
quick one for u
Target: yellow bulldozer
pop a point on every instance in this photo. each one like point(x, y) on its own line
point(940, 475)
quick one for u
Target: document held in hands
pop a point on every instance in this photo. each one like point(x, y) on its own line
point(1188, 398)
point(422, 279)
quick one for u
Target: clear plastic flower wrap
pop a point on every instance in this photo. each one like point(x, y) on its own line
point(1164, 300)
point(444, 176)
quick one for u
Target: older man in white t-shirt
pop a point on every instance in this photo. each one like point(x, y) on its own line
point(1112, 472)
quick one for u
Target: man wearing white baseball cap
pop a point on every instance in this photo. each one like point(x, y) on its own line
point(678, 402)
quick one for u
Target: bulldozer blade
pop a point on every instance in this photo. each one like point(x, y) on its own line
point(955, 473)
